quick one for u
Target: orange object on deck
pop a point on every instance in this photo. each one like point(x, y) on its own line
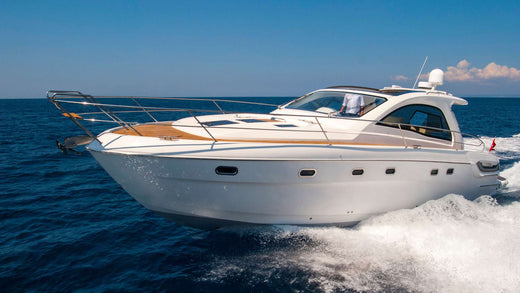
point(72, 115)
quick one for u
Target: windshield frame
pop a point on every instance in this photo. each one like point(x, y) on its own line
point(330, 101)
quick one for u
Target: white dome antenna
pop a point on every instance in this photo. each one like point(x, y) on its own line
point(436, 78)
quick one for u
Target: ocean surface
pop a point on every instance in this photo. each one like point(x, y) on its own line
point(66, 226)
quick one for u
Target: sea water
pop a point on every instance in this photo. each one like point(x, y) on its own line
point(65, 226)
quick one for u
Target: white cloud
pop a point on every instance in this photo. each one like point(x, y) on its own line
point(463, 72)
point(400, 78)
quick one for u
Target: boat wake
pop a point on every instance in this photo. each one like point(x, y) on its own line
point(507, 147)
point(508, 150)
point(445, 245)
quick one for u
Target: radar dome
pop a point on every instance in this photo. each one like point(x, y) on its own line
point(436, 77)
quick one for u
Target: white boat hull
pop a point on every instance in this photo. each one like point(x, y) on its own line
point(188, 190)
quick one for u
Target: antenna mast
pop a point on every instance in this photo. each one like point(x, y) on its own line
point(420, 71)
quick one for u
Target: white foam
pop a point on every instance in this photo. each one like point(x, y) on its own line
point(508, 148)
point(512, 175)
point(447, 245)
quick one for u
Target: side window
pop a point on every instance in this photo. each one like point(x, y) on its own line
point(372, 102)
point(423, 119)
point(419, 118)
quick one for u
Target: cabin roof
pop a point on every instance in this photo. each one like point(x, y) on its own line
point(401, 91)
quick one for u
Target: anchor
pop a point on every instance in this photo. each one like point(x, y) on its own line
point(71, 142)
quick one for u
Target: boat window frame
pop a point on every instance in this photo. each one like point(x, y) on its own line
point(377, 100)
point(425, 130)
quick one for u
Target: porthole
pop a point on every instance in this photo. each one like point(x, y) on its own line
point(226, 170)
point(307, 172)
point(449, 171)
point(356, 172)
point(390, 171)
point(434, 172)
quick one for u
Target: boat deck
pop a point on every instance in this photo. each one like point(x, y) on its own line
point(168, 132)
point(159, 130)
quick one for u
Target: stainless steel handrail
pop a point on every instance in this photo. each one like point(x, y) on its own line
point(59, 98)
point(323, 131)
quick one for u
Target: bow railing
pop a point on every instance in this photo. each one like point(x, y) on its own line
point(128, 111)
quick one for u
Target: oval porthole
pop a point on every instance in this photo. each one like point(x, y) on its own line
point(390, 171)
point(307, 172)
point(434, 172)
point(356, 172)
point(226, 170)
point(449, 171)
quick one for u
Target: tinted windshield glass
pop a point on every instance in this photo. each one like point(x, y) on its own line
point(328, 102)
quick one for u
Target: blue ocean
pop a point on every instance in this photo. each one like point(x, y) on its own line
point(66, 226)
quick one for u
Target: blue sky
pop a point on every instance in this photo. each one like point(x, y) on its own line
point(254, 48)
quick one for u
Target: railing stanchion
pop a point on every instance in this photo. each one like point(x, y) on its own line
point(202, 125)
point(402, 135)
point(69, 115)
point(322, 130)
point(151, 116)
point(110, 113)
point(215, 102)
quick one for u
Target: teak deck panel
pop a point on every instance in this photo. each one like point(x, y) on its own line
point(159, 130)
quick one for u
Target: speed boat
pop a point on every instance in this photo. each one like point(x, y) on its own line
point(302, 163)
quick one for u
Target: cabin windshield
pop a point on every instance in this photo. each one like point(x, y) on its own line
point(331, 101)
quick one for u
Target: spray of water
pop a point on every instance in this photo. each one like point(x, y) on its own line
point(513, 176)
